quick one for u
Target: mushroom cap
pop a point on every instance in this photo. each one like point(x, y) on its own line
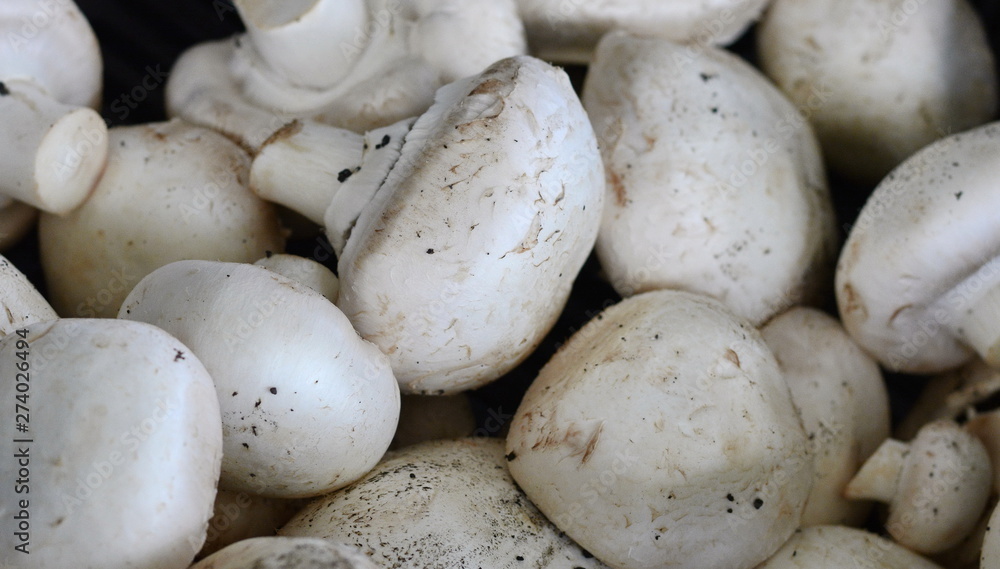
point(441, 504)
point(568, 31)
point(714, 183)
point(171, 191)
point(307, 405)
point(21, 302)
point(286, 553)
point(880, 79)
point(52, 44)
point(662, 434)
point(922, 251)
point(126, 446)
point(833, 547)
point(303, 271)
point(467, 253)
point(843, 402)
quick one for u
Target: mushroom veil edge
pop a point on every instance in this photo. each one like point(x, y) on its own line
point(663, 435)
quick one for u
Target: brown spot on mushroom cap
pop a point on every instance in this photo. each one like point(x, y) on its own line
point(852, 302)
point(287, 131)
point(618, 187)
point(733, 357)
point(490, 86)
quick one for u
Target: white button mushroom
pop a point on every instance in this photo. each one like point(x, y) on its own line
point(834, 547)
point(21, 302)
point(286, 553)
point(357, 65)
point(839, 392)
point(171, 191)
point(918, 283)
point(662, 434)
point(441, 504)
point(307, 405)
point(714, 183)
point(568, 31)
point(880, 79)
point(119, 460)
point(936, 486)
point(50, 73)
point(303, 271)
point(459, 238)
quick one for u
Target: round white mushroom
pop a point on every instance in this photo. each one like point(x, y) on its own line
point(844, 404)
point(171, 191)
point(441, 504)
point(307, 405)
point(936, 486)
point(711, 187)
point(119, 460)
point(918, 283)
point(661, 435)
point(880, 79)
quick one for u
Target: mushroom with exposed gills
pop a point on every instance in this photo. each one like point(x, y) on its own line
point(711, 188)
point(21, 302)
point(55, 144)
point(287, 553)
point(120, 458)
point(171, 191)
point(880, 79)
point(918, 282)
point(441, 504)
point(568, 32)
point(307, 405)
point(835, 547)
point(839, 392)
point(663, 435)
point(372, 63)
point(936, 486)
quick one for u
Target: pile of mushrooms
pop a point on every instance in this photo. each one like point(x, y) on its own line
point(435, 385)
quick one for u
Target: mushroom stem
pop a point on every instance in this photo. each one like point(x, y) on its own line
point(303, 164)
point(878, 479)
point(310, 43)
point(978, 318)
point(325, 173)
point(54, 153)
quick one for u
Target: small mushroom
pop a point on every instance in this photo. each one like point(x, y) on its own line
point(171, 191)
point(662, 434)
point(880, 79)
point(441, 504)
point(21, 302)
point(843, 402)
point(834, 547)
point(711, 188)
point(118, 458)
point(239, 516)
point(303, 271)
point(307, 405)
point(50, 73)
point(568, 31)
point(918, 282)
point(286, 553)
point(937, 486)
point(355, 65)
